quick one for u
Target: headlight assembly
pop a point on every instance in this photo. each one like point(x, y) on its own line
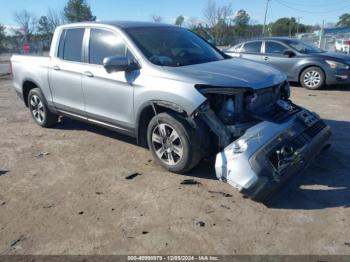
point(239, 146)
point(337, 65)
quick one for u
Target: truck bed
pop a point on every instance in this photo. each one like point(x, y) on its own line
point(30, 68)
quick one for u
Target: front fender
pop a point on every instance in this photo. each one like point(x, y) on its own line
point(184, 95)
point(302, 65)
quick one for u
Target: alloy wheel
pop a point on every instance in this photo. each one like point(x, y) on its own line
point(37, 108)
point(312, 79)
point(167, 144)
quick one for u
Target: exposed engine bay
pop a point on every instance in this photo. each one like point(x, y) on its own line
point(263, 137)
point(237, 109)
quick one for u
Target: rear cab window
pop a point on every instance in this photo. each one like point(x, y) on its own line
point(252, 47)
point(71, 44)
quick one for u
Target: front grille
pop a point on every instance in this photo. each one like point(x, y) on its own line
point(277, 114)
point(296, 143)
point(315, 129)
point(308, 134)
point(300, 141)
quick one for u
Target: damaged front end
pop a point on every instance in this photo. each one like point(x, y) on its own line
point(263, 138)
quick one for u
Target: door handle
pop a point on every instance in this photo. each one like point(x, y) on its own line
point(57, 68)
point(266, 58)
point(88, 74)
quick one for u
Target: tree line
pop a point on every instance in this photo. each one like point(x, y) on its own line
point(220, 24)
point(32, 29)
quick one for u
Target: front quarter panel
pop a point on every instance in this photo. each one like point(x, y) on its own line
point(150, 87)
point(305, 62)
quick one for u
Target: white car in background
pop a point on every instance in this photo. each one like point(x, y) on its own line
point(342, 45)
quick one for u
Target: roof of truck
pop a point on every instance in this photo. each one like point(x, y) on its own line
point(121, 24)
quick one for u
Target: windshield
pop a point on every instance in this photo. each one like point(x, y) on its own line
point(172, 46)
point(304, 48)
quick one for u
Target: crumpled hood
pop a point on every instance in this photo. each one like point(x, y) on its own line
point(234, 72)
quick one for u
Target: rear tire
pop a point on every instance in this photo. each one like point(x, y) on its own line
point(39, 109)
point(173, 143)
point(313, 78)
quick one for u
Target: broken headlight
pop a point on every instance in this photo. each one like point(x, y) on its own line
point(239, 146)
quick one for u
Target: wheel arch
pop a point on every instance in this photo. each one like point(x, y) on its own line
point(308, 66)
point(27, 85)
point(146, 113)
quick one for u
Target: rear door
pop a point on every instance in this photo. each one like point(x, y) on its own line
point(65, 72)
point(252, 50)
point(108, 96)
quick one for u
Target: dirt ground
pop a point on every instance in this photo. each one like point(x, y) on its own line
point(65, 191)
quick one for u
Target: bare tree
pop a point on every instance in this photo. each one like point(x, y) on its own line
point(56, 18)
point(192, 23)
point(224, 14)
point(219, 19)
point(210, 13)
point(27, 23)
point(215, 14)
point(156, 18)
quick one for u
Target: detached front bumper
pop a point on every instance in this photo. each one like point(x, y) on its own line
point(269, 153)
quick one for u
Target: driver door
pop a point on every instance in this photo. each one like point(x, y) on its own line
point(108, 96)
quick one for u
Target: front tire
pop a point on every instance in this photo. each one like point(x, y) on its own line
point(173, 143)
point(312, 78)
point(39, 109)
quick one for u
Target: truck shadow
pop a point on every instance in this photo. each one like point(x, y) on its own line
point(326, 182)
point(205, 169)
point(71, 124)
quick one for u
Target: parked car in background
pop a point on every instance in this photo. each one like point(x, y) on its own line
point(342, 45)
point(301, 62)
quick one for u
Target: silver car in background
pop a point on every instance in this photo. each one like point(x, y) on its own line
point(177, 95)
point(301, 62)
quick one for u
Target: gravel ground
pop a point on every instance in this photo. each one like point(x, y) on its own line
point(66, 190)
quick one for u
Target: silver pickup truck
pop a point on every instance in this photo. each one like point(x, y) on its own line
point(179, 96)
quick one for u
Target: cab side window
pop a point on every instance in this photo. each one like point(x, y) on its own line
point(274, 48)
point(104, 43)
point(252, 47)
point(71, 44)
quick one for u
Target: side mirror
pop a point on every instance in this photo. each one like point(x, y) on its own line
point(289, 53)
point(119, 63)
